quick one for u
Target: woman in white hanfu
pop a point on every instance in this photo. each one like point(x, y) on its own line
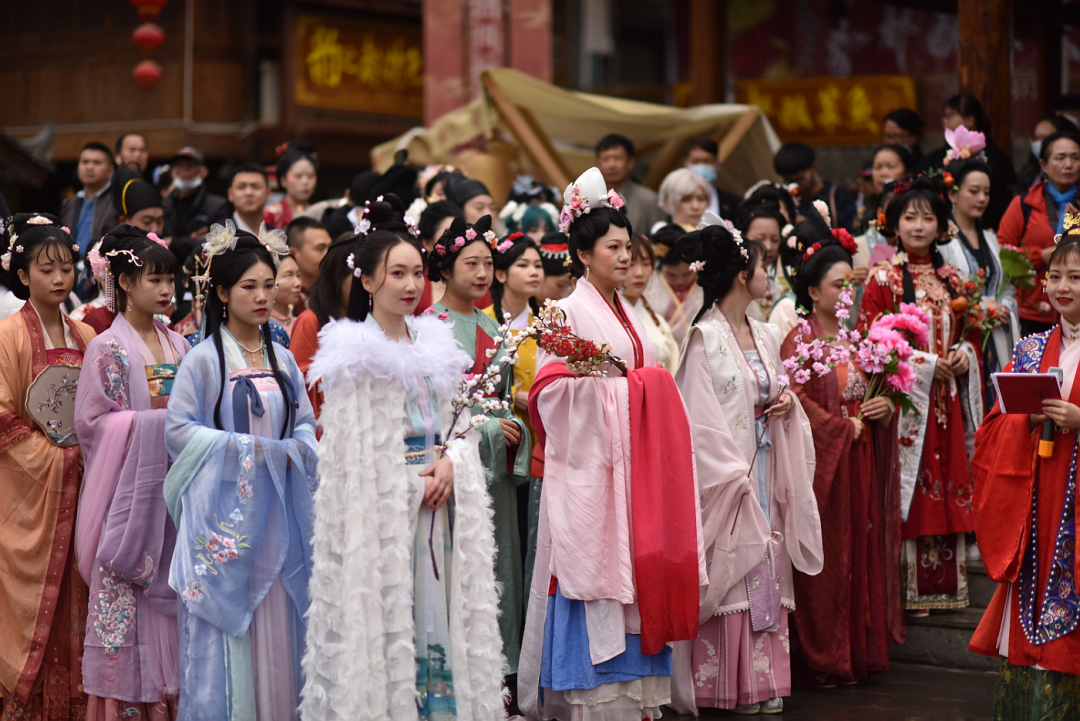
point(404, 604)
point(755, 458)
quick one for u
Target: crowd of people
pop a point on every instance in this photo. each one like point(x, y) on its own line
point(406, 453)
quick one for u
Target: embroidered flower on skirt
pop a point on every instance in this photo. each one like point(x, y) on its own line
point(113, 612)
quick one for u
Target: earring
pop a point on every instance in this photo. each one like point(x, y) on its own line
point(129, 306)
point(586, 272)
point(370, 303)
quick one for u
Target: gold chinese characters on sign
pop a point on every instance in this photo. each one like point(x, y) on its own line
point(358, 65)
point(829, 111)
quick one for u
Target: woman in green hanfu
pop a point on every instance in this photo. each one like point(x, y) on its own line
point(462, 258)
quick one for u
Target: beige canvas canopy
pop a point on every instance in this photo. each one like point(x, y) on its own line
point(551, 132)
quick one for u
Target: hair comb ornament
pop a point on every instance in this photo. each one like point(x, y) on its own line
point(1070, 226)
point(587, 192)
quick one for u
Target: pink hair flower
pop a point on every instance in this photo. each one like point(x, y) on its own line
point(614, 199)
point(470, 234)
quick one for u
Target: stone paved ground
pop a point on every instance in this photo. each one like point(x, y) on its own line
point(906, 693)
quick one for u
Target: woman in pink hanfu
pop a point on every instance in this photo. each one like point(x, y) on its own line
point(124, 538)
point(755, 458)
point(618, 559)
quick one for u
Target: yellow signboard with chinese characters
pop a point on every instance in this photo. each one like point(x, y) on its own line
point(358, 65)
point(829, 111)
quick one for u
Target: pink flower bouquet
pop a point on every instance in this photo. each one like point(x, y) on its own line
point(882, 355)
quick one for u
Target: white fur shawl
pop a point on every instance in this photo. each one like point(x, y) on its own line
point(362, 544)
point(348, 348)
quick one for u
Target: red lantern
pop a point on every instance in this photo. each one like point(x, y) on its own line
point(147, 73)
point(148, 36)
point(148, 9)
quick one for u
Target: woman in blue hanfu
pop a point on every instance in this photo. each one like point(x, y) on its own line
point(404, 603)
point(242, 435)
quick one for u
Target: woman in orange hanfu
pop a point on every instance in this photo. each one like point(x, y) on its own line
point(1025, 518)
point(43, 600)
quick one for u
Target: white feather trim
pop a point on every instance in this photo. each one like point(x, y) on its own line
point(348, 348)
point(360, 659)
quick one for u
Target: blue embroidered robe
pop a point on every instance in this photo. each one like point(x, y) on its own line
point(243, 509)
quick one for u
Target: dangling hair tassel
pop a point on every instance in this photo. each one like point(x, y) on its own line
point(110, 293)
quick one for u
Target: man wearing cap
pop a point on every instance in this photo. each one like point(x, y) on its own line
point(189, 208)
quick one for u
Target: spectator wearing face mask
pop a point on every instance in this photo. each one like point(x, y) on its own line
point(904, 127)
point(702, 156)
point(1031, 174)
point(189, 208)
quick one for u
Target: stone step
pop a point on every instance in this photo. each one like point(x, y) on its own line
point(980, 587)
point(941, 639)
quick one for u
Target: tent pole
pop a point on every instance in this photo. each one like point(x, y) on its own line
point(529, 133)
point(738, 131)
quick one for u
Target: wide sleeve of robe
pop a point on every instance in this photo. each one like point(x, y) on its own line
point(242, 503)
point(734, 529)
point(123, 522)
point(1003, 470)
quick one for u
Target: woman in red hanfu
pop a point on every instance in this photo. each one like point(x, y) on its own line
point(935, 478)
point(1025, 513)
point(851, 611)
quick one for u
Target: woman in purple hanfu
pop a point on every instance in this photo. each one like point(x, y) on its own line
point(123, 536)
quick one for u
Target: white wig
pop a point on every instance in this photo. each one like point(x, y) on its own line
point(680, 183)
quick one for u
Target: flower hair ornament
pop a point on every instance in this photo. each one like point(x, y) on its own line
point(843, 237)
point(351, 262)
point(363, 223)
point(823, 210)
point(711, 218)
point(698, 265)
point(275, 241)
point(459, 234)
point(154, 237)
point(220, 239)
point(964, 144)
point(587, 192)
point(505, 245)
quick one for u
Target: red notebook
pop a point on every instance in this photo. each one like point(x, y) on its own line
point(1025, 392)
